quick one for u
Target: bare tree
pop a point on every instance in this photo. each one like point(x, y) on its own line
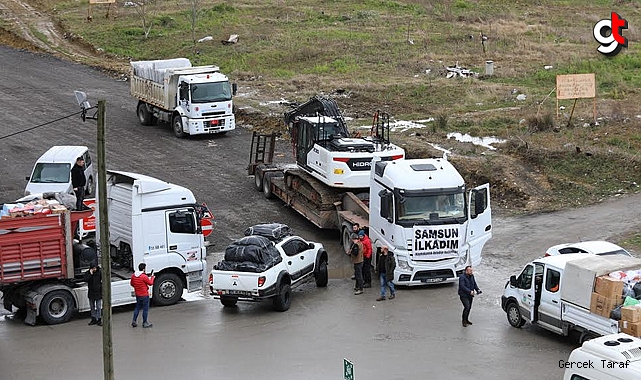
point(146, 12)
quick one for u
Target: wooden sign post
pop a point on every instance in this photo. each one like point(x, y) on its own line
point(575, 86)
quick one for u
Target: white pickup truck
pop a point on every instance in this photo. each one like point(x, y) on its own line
point(266, 264)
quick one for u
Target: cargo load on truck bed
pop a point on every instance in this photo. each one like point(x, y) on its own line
point(155, 70)
point(250, 254)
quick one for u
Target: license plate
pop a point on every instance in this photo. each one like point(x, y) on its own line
point(433, 280)
point(239, 292)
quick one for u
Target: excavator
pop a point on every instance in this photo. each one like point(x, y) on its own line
point(329, 161)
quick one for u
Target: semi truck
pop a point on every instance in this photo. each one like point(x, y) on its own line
point(556, 293)
point(193, 99)
point(419, 208)
point(150, 221)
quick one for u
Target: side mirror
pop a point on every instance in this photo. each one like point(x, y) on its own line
point(27, 178)
point(234, 88)
point(513, 281)
point(311, 246)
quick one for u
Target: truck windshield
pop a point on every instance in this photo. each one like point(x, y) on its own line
point(210, 92)
point(51, 173)
point(430, 207)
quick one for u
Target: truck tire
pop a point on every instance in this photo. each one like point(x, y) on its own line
point(321, 274)
point(144, 116)
point(346, 241)
point(514, 315)
point(228, 301)
point(267, 185)
point(177, 126)
point(168, 288)
point(57, 307)
point(258, 179)
point(284, 298)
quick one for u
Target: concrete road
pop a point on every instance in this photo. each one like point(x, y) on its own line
point(417, 335)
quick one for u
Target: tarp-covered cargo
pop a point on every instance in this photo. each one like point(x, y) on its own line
point(272, 231)
point(250, 254)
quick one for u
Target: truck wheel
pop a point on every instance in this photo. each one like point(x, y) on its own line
point(346, 241)
point(514, 315)
point(284, 298)
point(177, 126)
point(144, 115)
point(258, 180)
point(228, 301)
point(168, 288)
point(56, 307)
point(321, 274)
point(267, 185)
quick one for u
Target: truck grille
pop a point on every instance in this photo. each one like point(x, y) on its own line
point(213, 114)
point(437, 273)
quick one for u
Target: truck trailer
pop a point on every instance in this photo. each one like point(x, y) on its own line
point(150, 221)
point(194, 100)
point(418, 208)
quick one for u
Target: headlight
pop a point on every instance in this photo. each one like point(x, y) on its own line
point(403, 264)
point(462, 260)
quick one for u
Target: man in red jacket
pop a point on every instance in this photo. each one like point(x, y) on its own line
point(367, 258)
point(141, 283)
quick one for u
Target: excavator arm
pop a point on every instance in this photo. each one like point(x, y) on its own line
point(318, 106)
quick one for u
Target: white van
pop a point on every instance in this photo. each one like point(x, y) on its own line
point(610, 357)
point(52, 171)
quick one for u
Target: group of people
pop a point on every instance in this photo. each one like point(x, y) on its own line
point(360, 253)
point(140, 281)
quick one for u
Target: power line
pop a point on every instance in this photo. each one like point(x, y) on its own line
point(41, 125)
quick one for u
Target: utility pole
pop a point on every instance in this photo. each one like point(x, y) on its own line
point(107, 344)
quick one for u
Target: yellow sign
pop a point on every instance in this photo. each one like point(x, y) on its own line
point(338, 171)
point(575, 86)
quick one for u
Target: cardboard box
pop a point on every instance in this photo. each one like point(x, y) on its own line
point(608, 287)
point(631, 313)
point(630, 328)
point(603, 306)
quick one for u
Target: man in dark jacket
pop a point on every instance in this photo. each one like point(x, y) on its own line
point(78, 181)
point(466, 288)
point(356, 255)
point(385, 266)
point(94, 285)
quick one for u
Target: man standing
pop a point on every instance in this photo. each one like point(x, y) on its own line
point(356, 255)
point(466, 288)
point(94, 292)
point(141, 283)
point(78, 181)
point(386, 265)
point(367, 258)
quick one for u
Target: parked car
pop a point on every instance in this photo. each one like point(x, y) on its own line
point(52, 171)
point(595, 247)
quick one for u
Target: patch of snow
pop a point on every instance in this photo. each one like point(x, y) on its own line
point(268, 102)
point(482, 141)
point(440, 148)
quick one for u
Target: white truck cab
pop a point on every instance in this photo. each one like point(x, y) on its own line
point(610, 357)
point(420, 209)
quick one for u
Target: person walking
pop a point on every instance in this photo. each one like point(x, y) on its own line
point(141, 283)
point(367, 258)
point(466, 289)
point(79, 181)
point(385, 266)
point(356, 255)
point(93, 277)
